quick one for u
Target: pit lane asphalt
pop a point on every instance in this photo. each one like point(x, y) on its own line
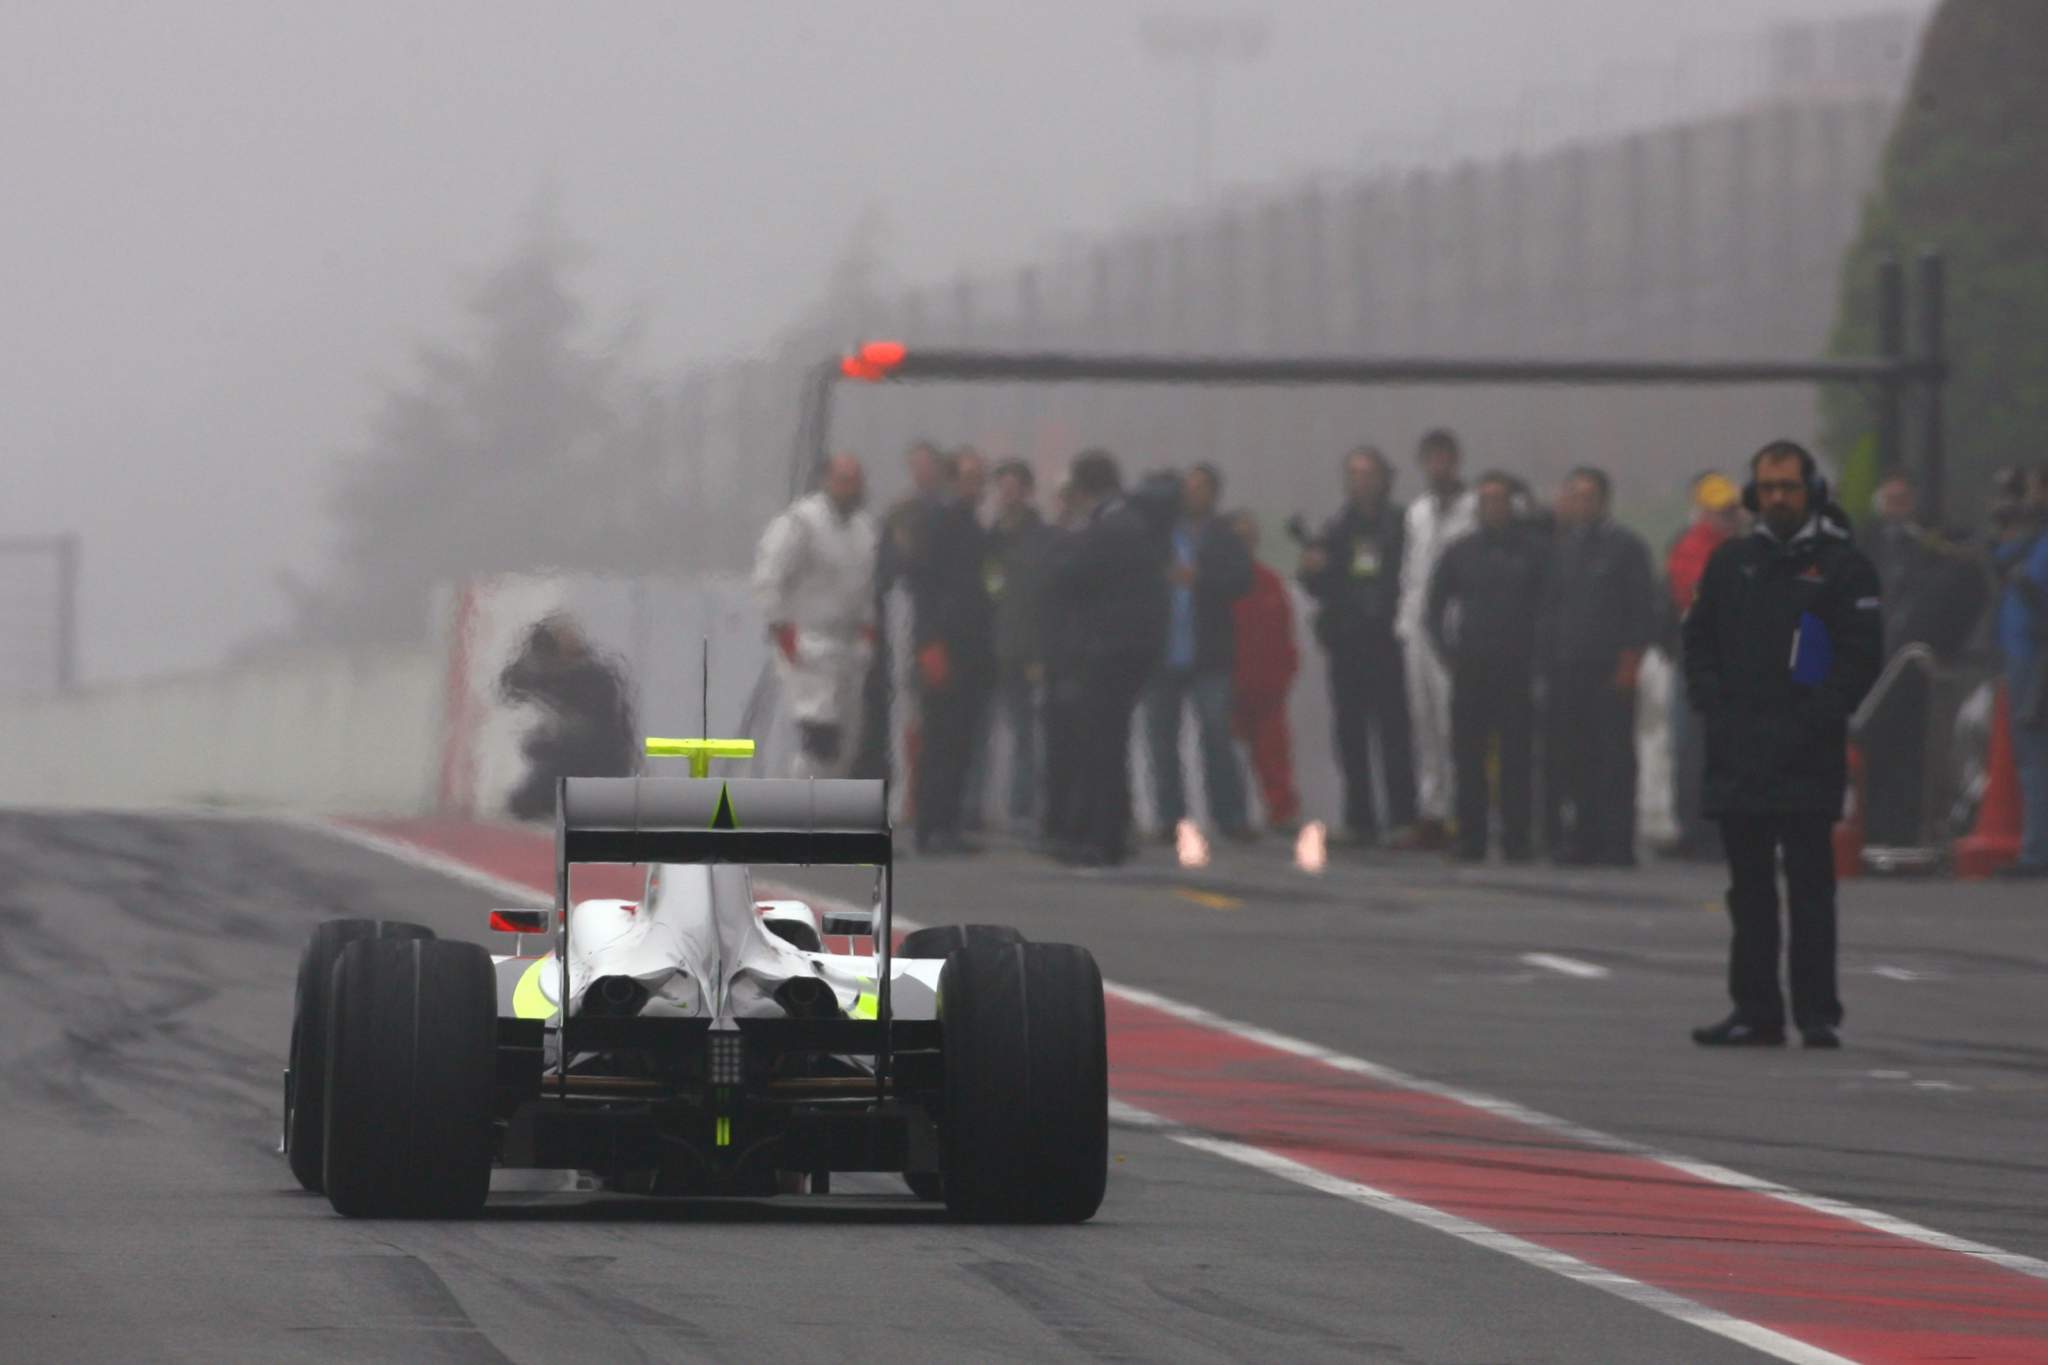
point(145, 990)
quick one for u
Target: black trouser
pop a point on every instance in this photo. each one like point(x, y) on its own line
point(1368, 695)
point(1097, 818)
point(951, 722)
point(1589, 765)
point(1060, 721)
point(1893, 743)
point(1752, 843)
point(877, 732)
point(1492, 700)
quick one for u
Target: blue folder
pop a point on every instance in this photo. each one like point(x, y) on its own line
point(1813, 651)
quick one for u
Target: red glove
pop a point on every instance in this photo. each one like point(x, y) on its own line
point(934, 666)
point(1628, 670)
point(784, 635)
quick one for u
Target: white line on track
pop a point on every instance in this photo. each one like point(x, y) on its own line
point(1750, 1334)
point(1873, 1219)
point(511, 892)
point(1895, 973)
point(1569, 966)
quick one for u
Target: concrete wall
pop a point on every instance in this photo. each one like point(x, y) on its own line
point(317, 734)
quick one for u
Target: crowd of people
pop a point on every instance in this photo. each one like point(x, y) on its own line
point(1484, 649)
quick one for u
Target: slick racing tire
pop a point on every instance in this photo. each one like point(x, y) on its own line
point(411, 1079)
point(1026, 1125)
point(306, 1095)
point(943, 940)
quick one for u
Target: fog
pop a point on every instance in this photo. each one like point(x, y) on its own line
point(225, 225)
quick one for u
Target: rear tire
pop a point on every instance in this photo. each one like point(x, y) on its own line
point(411, 1079)
point(944, 940)
point(1026, 1132)
point(304, 1127)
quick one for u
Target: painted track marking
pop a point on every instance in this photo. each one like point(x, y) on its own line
point(1233, 1085)
point(1567, 966)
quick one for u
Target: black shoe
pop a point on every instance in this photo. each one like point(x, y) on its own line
point(1735, 1031)
point(1820, 1035)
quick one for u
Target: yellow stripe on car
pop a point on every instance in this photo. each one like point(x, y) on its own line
point(529, 997)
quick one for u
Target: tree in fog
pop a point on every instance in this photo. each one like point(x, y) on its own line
point(1963, 175)
point(516, 448)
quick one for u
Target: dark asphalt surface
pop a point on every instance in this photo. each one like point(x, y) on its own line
point(145, 990)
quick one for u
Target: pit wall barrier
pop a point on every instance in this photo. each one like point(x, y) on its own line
point(313, 733)
point(432, 732)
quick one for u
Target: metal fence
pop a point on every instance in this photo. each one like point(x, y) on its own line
point(1718, 237)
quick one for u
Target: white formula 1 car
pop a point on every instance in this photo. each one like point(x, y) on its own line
point(711, 1043)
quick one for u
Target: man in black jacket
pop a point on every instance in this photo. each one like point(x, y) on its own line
point(1481, 618)
point(1014, 573)
point(1105, 607)
point(1782, 643)
point(1207, 569)
point(1353, 571)
point(954, 649)
point(1598, 618)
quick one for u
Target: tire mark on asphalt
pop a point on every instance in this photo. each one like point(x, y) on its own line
point(417, 1307)
point(1053, 1301)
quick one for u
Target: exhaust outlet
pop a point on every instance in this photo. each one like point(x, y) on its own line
point(806, 997)
point(614, 997)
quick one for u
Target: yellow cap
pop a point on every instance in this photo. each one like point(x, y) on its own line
point(1715, 492)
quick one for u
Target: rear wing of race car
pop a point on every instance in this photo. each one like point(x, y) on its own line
point(833, 821)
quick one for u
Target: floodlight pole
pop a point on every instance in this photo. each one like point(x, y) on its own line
point(1932, 289)
point(1891, 345)
point(1205, 42)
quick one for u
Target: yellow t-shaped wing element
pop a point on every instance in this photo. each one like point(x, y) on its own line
point(700, 752)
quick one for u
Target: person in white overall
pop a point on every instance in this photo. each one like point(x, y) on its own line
point(814, 580)
point(1444, 512)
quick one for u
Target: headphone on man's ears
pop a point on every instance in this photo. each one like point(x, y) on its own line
point(1809, 471)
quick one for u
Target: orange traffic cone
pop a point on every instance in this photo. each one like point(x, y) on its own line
point(1848, 830)
point(1994, 841)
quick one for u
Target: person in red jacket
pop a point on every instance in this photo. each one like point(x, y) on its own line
point(1716, 516)
point(1263, 675)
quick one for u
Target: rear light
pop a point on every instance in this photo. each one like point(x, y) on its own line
point(520, 921)
point(872, 360)
point(728, 1058)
